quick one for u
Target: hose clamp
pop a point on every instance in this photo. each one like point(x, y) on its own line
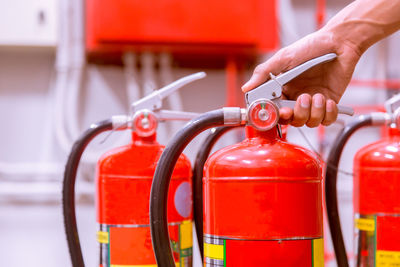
point(380, 118)
point(234, 116)
point(121, 122)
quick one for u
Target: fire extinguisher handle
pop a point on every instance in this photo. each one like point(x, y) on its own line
point(290, 104)
point(153, 101)
point(286, 77)
point(272, 89)
point(392, 105)
point(168, 115)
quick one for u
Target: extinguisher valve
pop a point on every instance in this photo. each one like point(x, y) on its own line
point(393, 104)
point(272, 89)
point(264, 101)
point(147, 111)
point(392, 107)
point(153, 101)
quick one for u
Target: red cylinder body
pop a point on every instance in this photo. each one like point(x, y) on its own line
point(124, 177)
point(263, 204)
point(377, 202)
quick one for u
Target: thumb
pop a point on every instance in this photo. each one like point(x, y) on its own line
point(277, 64)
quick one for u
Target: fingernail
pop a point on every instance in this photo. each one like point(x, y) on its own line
point(329, 106)
point(305, 101)
point(245, 85)
point(318, 101)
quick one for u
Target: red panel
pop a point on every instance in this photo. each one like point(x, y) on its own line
point(175, 22)
point(269, 253)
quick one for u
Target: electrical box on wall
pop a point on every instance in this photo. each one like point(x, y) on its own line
point(190, 26)
point(28, 23)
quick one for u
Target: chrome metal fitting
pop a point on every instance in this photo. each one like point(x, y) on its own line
point(234, 116)
point(121, 122)
point(380, 118)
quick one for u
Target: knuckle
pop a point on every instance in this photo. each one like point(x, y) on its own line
point(326, 123)
point(328, 120)
point(259, 69)
point(315, 120)
point(301, 116)
point(297, 123)
point(312, 124)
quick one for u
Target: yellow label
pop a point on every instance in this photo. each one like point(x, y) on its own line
point(365, 224)
point(387, 258)
point(186, 234)
point(318, 252)
point(102, 237)
point(214, 251)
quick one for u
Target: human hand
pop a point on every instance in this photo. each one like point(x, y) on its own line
point(318, 90)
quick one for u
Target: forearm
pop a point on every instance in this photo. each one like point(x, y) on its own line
point(365, 22)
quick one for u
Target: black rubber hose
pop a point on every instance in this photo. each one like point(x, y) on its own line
point(68, 200)
point(331, 190)
point(162, 178)
point(201, 158)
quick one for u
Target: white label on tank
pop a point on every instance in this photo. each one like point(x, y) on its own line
point(183, 199)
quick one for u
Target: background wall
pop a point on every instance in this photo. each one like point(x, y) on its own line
point(32, 160)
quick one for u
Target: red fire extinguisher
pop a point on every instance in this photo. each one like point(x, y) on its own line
point(123, 182)
point(376, 192)
point(201, 157)
point(253, 192)
point(262, 197)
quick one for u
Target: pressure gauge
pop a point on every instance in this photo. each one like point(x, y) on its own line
point(145, 123)
point(263, 114)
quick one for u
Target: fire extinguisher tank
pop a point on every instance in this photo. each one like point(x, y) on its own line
point(263, 204)
point(124, 177)
point(377, 201)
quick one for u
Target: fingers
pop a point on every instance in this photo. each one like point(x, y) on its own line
point(302, 110)
point(317, 111)
point(285, 115)
point(331, 113)
point(310, 111)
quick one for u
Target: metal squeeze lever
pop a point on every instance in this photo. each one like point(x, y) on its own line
point(263, 101)
point(153, 101)
point(147, 111)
